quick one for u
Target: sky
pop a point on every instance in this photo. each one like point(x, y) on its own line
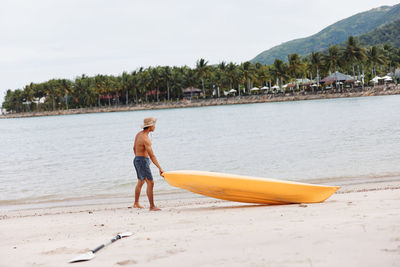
point(45, 39)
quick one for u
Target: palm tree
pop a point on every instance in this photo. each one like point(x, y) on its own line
point(220, 77)
point(294, 65)
point(263, 74)
point(202, 71)
point(84, 91)
point(99, 85)
point(177, 81)
point(27, 95)
point(332, 59)
point(106, 89)
point(352, 53)
point(189, 77)
point(247, 70)
point(316, 63)
point(114, 87)
point(155, 81)
point(53, 89)
point(395, 60)
point(36, 91)
point(125, 84)
point(143, 80)
point(133, 84)
point(279, 71)
point(166, 76)
point(8, 100)
point(390, 58)
point(66, 89)
point(374, 57)
point(14, 100)
point(232, 74)
point(90, 91)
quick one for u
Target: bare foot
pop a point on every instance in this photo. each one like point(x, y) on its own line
point(154, 209)
point(138, 206)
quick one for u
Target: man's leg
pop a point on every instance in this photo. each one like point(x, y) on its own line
point(149, 191)
point(137, 194)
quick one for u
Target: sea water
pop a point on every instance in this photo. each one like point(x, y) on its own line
point(89, 156)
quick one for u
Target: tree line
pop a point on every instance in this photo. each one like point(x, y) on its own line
point(165, 83)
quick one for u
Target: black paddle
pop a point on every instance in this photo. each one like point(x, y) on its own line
point(90, 255)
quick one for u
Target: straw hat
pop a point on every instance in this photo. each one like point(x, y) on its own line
point(147, 122)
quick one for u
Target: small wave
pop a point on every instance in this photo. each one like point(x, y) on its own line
point(356, 179)
point(49, 201)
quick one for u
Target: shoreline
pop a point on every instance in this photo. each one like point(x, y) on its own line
point(348, 184)
point(371, 91)
point(209, 232)
point(183, 197)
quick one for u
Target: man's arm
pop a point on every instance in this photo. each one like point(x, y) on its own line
point(134, 145)
point(149, 150)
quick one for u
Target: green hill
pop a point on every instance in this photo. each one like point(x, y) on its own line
point(386, 34)
point(356, 25)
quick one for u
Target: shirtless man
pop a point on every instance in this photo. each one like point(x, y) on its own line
point(143, 154)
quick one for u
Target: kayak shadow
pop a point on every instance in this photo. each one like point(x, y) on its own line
point(233, 207)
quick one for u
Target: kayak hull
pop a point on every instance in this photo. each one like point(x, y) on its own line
point(248, 189)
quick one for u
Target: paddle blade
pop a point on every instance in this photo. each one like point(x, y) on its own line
point(84, 257)
point(125, 234)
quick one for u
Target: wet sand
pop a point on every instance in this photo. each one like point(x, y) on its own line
point(357, 226)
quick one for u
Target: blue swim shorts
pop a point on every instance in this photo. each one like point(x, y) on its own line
point(142, 166)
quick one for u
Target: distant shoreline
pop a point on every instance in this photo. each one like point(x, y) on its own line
point(298, 96)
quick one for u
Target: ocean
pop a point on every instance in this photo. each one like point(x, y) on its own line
point(87, 158)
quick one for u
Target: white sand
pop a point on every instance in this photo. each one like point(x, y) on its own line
point(358, 226)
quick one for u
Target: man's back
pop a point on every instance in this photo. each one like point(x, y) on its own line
point(139, 148)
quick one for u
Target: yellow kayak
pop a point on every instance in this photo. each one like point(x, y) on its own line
point(248, 189)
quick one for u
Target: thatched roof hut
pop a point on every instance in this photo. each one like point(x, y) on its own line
point(192, 91)
point(337, 77)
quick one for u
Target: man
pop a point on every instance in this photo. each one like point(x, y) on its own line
point(143, 154)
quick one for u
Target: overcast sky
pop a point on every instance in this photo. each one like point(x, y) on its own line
point(45, 39)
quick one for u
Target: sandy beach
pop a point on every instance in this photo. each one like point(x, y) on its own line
point(357, 226)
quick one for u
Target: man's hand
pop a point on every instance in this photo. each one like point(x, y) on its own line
point(161, 172)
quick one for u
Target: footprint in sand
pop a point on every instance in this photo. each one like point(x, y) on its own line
point(127, 262)
point(62, 250)
point(168, 253)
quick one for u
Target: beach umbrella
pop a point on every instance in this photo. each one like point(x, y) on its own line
point(232, 91)
point(387, 78)
point(375, 79)
point(254, 89)
point(265, 88)
point(90, 255)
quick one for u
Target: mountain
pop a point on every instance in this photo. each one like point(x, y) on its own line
point(386, 34)
point(336, 33)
